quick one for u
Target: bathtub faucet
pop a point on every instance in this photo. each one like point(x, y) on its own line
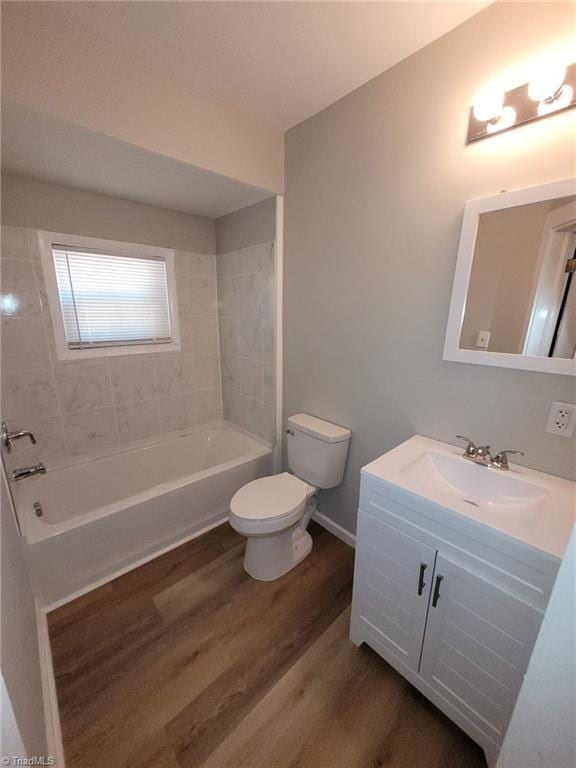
point(20, 474)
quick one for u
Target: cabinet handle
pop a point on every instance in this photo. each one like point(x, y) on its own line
point(437, 591)
point(421, 583)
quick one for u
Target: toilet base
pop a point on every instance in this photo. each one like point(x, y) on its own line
point(269, 557)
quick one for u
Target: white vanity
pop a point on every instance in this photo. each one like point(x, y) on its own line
point(454, 567)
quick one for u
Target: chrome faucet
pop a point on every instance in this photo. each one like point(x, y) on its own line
point(7, 437)
point(481, 455)
point(500, 461)
point(24, 472)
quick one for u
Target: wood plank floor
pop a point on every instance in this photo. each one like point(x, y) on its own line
point(186, 662)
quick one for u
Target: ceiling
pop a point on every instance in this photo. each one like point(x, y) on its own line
point(281, 61)
point(52, 150)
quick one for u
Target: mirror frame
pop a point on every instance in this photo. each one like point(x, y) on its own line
point(472, 211)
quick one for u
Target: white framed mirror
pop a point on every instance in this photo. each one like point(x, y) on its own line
point(514, 294)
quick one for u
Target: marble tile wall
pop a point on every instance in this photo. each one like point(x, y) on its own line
point(246, 308)
point(76, 408)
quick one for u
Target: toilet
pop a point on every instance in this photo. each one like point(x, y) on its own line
point(273, 512)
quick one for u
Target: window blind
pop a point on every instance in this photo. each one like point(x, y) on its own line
point(110, 300)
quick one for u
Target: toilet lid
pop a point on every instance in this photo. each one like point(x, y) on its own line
point(269, 497)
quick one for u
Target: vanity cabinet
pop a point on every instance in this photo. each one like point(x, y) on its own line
point(477, 645)
point(448, 605)
point(395, 572)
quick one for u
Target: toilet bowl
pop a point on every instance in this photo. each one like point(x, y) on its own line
point(273, 512)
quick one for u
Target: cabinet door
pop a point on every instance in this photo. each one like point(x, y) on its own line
point(391, 587)
point(477, 645)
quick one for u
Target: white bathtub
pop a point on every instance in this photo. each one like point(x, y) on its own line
point(101, 517)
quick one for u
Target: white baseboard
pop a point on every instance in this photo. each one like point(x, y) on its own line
point(335, 529)
point(49, 697)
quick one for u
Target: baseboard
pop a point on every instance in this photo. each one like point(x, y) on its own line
point(136, 564)
point(335, 529)
point(49, 697)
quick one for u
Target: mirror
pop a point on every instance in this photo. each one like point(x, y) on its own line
point(514, 296)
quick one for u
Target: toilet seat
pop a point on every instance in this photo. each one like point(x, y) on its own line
point(269, 504)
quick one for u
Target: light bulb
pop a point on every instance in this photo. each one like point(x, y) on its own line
point(488, 104)
point(547, 82)
point(507, 119)
point(563, 100)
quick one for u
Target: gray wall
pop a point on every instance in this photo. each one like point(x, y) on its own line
point(375, 189)
point(20, 659)
point(31, 203)
point(253, 225)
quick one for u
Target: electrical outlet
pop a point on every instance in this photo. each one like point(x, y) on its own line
point(483, 339)
point(561, 419)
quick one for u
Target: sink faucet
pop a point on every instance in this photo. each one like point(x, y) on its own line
point(23, 472)
point(481, 455)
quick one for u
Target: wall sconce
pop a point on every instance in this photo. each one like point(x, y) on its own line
point(551, 90)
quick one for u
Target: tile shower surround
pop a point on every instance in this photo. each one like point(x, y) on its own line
point(75, 408)
point(246, 308)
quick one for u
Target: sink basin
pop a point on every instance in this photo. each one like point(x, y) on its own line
point(474, 484)
point(533, 507)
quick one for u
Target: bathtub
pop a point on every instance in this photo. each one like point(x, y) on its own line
point(89, 520)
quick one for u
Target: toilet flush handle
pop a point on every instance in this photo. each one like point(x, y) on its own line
point(289, 431)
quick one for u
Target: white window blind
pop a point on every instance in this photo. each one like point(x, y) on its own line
point(110, 300)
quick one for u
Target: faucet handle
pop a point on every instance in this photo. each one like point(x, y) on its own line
point(7, 437)
point(500, 461)
point(470, 449)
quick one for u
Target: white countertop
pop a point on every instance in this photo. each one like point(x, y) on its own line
point(532, 507)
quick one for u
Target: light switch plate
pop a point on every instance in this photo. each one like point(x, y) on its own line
point(561, 419)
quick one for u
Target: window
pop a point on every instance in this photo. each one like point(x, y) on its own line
point(108, 298)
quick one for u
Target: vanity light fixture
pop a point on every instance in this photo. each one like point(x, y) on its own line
point(551, 90)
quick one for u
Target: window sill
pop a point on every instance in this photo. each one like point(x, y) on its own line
point(116, 351)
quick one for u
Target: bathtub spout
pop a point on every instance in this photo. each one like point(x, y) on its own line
point(21, 474)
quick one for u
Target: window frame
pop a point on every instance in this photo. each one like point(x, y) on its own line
point(46, 240)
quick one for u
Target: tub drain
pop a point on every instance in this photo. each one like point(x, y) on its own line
point(38, 511)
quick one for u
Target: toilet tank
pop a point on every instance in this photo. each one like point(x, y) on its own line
point(317, 450)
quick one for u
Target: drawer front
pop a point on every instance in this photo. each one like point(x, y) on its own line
point(477, 646)
point(507, 570)
point(392, 582)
